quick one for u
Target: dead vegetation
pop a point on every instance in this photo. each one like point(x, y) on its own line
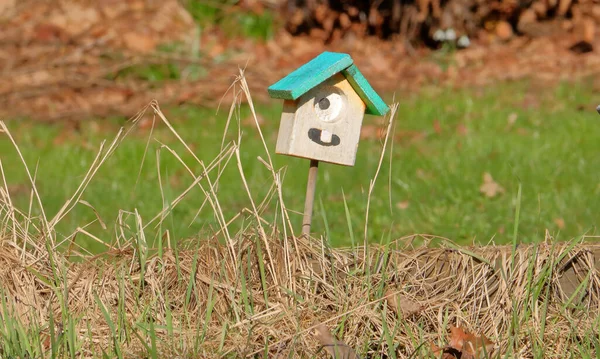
point(264, 292)
point(249, 307)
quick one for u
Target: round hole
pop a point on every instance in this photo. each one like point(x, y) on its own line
point(324, 103)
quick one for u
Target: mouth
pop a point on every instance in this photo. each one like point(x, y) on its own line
point(323, 137)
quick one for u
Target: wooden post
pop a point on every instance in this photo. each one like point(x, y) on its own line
point(311, 185)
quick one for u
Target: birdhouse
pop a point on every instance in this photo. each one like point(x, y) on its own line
point(324, 104)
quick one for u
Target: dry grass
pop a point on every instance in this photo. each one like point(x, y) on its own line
point(259, 292)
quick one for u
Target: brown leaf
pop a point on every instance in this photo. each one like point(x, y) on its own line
point(469, 345)
point(490, 188)
point(560, 223)
point(512, 118)
point(457, 338)
point(372, 132)
point(139, 42)
point(49, 32)
point(461, 129)
point(402, 205)
point(589, 30)
point(250, 121)
point(437, 127)
point(531, 101)
point(62, 137)
point(563, 7)
point(216, 50)
point(447, 353)
point(504, 30)
point(400, 302)
point(46, 338)
point(337, 349)
point(17, 189)
point(7, 6)
point(345, 21)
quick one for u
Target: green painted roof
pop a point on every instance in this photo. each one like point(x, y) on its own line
point(320, 69)
point(374, 103)
point(309, 75)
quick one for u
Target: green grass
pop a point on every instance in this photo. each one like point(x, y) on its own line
point(161, 296)
point(435, 171)
point(233, 21)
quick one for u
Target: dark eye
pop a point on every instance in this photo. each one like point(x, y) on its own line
point(328, 105)
point(324, 103)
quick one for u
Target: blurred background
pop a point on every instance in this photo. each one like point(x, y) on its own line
point(495, 96)
point(66, 59)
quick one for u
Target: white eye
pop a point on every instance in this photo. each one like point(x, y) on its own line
point(328, 107)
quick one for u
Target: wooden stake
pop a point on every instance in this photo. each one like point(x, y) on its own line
point(310, 197)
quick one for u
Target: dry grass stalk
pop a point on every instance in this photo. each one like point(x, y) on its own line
point(260, 290)
point(469, 293)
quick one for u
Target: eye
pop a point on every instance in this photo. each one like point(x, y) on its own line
point(329, 107)
point(324, 103)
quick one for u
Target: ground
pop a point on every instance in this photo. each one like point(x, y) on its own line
point(181, 243)
point(445, 142)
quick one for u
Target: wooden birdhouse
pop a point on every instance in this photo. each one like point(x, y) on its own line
point(324, 104)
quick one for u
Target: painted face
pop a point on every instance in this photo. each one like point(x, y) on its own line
point(328, 105)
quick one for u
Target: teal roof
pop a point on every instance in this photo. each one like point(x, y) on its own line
point(320, 69)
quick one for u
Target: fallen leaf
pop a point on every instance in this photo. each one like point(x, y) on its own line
point(398, 302)
point(7, 6)
point(447, 353)
point(512, 118)
point(560, 223)
point(143, 43)
point(337, 349)
point(62, 137)
point(250, 121)
point(530, 101)
point(372, 132)
point(49, 32)
point(422, 174)
point(146, 123)
point(457, 338)
point(470, 345)
point(216, 50)
point(46, 338)
point(437, 127)
point(17, 189)
point(464, 345)
point(175, 181)
point(504, 31)
point(402, 205)
point(490, 188)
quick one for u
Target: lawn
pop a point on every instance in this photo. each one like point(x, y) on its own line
point(180, 247)
point(542, 139)
point(261, 293)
